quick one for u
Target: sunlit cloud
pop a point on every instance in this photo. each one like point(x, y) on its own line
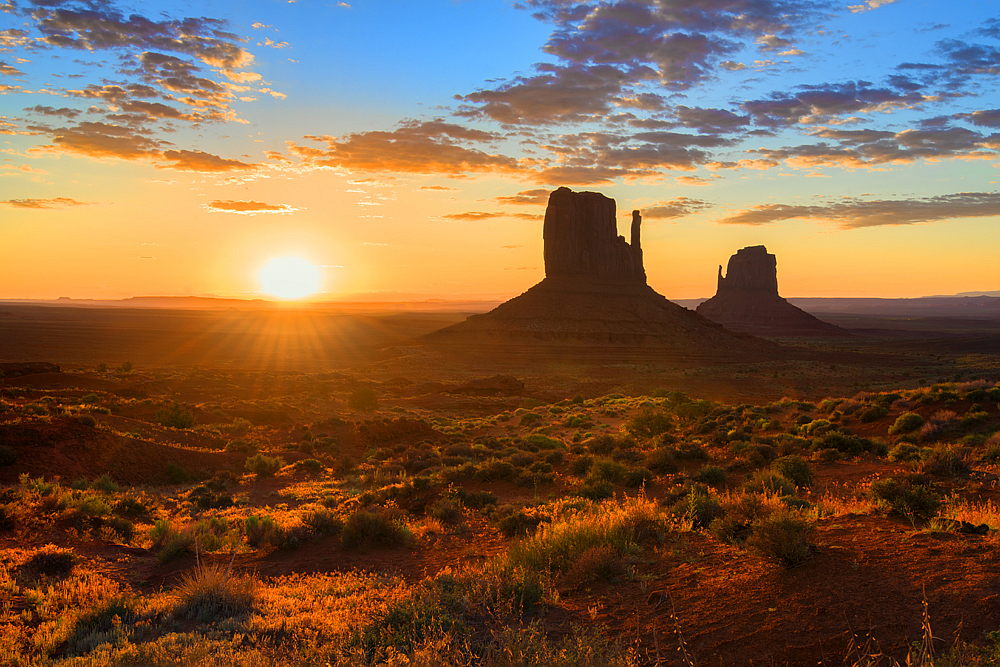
point(854, 213)
point(248, 207)
point(55, 202)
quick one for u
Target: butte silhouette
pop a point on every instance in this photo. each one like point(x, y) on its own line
point(747, 300)
point(594, 298)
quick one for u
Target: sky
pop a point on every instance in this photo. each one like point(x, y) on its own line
point(406, 149)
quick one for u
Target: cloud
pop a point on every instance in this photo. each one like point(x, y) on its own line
point(9, 70)
point(189, 160)
point(476, 216)
point(854, 213)
point(538, 197)
point(438, 188)
point(869, 5)
point(101, 27)
point(677, 207)
point(248, 207)
point(985, 117)
point(867, 148)
point(66, 112)
point(416, 147)
point(818, 104)
point(710, 121)
point(55, 202)
point(102, 140)
point(556, 95)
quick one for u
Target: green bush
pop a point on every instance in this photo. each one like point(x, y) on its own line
point(662, 460)
point(696, 506)
point(766, 481)
point(323, 522)
point(580, 466)
point(519, 523)
point(903, 452)
point(783, 537)
point(712, 475)
point(107, 623)
point(873, 413)
point(906, 423)
point(945, 462)
point(649, 423)
point(911, 497)
point(175, 417)
point(264, 466)
point(370, 528)
point(794, 468)
point(261, 530)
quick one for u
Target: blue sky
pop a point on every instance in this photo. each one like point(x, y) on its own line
point(407, 148)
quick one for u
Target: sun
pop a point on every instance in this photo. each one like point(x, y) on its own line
point(289, 278)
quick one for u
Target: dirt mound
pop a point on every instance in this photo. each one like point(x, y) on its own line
point(71, 450)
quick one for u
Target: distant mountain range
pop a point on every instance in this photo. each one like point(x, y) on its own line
point(975, 305)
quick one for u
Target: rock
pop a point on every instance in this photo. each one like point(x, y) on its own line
point(581, 238)
point(747, 300)
point(594, 300)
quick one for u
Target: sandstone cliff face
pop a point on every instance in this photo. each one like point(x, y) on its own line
point(747, 300)
point(752, 269)
point(581, 239)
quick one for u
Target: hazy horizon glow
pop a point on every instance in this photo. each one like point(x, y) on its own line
point(408, 148)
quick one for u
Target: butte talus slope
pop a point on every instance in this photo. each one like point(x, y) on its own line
point(747, 300)
point(595, 298)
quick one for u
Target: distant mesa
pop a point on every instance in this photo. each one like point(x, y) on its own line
point(20, 369)
point(747, 300)
point(594, 296)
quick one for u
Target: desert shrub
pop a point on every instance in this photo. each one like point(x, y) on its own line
point(610, 471)
point(476, 500)
point(323, 522)
point(8, 518)
point(264, 466)
point(637, 477)
point(696, 506)
point(262, 530)
point(827, 455)
point(906, 422)
point(846, 444)
point(693, 410)
point(911, 497)
point(991, 454)
point(363, 399)
point(945, 462)
point(661, 460)
point(308, 465)
point(169, 542)
point(211, 592)
point(51, 561)
point(529, 418)
point(594, 564)
point(649, 423)
point(794, 468)
point(8, 456)
point(580, 466)
point(521, 459)
point(544, 441)
point(817, 427)
point(766, 481)
point(782, 537)
point(712, 475)
point(86, 420)
point(596, 489)
point(495, 470)
point(107, 623)
point(241, 425)
point(175, 417)
point(872, 413)
point(369, 528)
point(520, 522)
point(447, 511)
point(904, 452)
point(602, 445)
point(555, 457)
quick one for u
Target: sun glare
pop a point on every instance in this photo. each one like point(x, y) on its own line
point(289, 278)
